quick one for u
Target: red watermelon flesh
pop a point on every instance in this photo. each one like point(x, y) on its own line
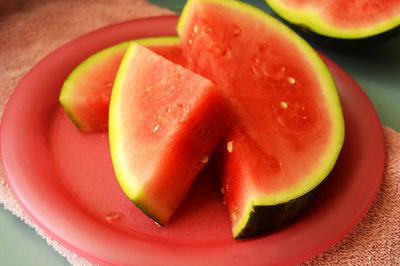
point(289, 125)
point(86, 93)
point(165, 121)
point(348, 14)
point(343, 22)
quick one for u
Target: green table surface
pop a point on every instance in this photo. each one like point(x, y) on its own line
point(376, 69)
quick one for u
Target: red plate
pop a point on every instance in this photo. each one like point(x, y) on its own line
point(65, 181)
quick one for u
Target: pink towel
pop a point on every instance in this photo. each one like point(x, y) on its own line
point(376, 239)
point(29, 30)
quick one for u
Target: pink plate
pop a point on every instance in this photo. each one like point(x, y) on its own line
point(65, 181)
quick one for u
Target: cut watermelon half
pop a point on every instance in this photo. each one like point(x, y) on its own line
point(85, 95)
point(289, 126)
point(341, 18)
point(165, 121)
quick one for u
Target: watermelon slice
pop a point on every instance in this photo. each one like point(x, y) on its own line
point(86, 92)
point(165, 121)
point(341, 19)
point(289, 127)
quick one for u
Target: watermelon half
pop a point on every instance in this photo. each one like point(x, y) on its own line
point(165, 121)
point(288, 123)
point(341, 19)
point(85, 95)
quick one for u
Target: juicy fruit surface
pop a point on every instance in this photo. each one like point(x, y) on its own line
point(288, 122)
point(341, 18)
point(86, 92)
point(165, 121)
point(349, 14)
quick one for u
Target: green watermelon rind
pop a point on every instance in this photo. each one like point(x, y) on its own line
point(163, 40)
point(67, 91)
point(264, 203)
point(283, 214)
point(131, 188)
point(311, 21)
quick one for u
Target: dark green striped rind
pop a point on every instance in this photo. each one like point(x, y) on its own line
point(342, 43)
point(263, 219)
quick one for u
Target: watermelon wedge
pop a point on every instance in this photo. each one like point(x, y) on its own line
point(288, 124)
point(86, 92)
point(165, 121)
point(341, 19)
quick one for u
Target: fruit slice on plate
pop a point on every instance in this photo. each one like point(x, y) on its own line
point(341, 18)
point(288, 123)
point(165, 121)
point(86, 92)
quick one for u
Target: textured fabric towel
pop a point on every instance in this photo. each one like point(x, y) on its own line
point(29, 30)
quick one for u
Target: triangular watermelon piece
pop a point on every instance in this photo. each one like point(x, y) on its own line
point(164, 124)
point(289, 126)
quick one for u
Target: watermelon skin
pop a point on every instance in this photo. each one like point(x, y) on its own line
point(288, 124)
point(260, 221)
point(85, 95)
point(342, 23)
point(342, 44)
point(165, 121)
